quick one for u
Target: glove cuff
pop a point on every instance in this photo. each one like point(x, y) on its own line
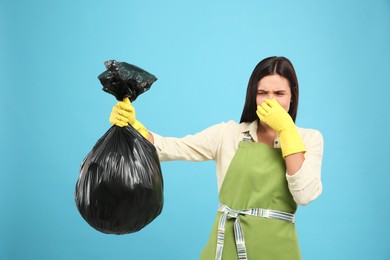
point(291, 142)
point(141, 129)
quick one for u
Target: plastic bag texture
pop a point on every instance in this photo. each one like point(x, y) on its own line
point(120, 186)
point(125, 80)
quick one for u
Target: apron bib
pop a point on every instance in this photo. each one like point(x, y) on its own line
point(255, 180)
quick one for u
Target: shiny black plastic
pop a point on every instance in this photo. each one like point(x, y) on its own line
point(120, 187)
point(125, 80)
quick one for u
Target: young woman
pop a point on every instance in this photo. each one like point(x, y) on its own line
point(266, 166)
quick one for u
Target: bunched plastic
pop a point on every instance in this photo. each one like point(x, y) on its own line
point(120, 186)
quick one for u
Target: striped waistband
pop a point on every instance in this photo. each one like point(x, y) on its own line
point(229, 213)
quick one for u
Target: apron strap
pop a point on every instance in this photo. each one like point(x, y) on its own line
point(229, 213)
point(247, 138)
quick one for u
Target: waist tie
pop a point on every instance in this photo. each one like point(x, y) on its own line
point(229, 213)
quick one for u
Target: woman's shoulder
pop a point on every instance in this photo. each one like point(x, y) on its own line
point(310, 131)
point(234, 126)
point(229, 124)
point(308, 134)
point(229, 128)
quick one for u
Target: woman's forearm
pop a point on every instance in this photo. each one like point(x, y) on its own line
point(294, 162)
point(150, 137)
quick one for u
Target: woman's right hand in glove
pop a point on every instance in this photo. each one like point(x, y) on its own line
point(123, 113)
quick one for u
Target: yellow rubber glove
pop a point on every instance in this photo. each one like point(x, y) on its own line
point(123, 113)
point(274, 115)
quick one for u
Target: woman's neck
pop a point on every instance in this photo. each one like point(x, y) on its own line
point(263, 128)
point(266, 134)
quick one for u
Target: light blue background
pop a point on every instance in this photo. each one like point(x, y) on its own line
point(53, 111)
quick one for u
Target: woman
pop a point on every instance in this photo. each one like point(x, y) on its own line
point(265, 166)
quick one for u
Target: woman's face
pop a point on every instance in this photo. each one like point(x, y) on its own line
point(274, 86)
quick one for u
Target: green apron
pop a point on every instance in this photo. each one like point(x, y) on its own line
point(256, 180)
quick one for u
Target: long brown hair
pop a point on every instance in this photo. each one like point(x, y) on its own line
point(270, 66)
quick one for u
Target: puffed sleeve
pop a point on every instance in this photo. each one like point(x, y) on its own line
point(305, 185)
point(199, 147)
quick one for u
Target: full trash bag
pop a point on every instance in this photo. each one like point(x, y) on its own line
point(120, 187)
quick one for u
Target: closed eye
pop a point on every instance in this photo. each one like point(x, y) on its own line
point(280, 93)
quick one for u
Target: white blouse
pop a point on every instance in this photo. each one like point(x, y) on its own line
point(220, 142)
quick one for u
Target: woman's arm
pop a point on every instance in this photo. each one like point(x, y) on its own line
point(198, 147)
point(305, 183)
point(294, 162)
point(302, 153)
point(150, 137)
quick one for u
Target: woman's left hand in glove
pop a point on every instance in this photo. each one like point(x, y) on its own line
point(273, 114)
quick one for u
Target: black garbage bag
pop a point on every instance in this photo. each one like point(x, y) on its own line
point(120, 187)
point(125, 80)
